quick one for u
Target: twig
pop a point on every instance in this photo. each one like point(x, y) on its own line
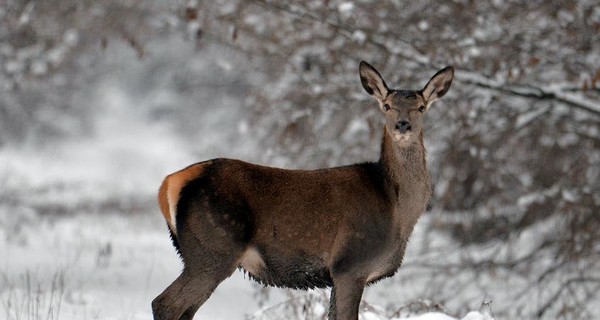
point(530, 91)
point(487, 303)
point(566, 285)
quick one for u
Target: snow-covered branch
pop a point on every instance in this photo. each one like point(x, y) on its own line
point(550, 92)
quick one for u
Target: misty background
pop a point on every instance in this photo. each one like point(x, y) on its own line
point(101, 99)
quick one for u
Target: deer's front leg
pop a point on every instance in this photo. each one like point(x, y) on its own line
point(332, 315)
point(346, 294)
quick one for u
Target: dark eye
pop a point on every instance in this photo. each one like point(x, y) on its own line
point(386, 107)
point(422, 109)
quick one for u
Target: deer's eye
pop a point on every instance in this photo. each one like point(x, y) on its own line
point(422, 109)
point(386, 107)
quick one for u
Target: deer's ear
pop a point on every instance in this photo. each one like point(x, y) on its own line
point(438, 85)
point(372, 81)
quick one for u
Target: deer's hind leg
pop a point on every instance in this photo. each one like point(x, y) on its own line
point(190, 312)
point(188, 292)
point(192, 288)
point(212, 232)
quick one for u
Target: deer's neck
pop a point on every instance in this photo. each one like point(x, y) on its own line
point(403, 165)
point(407, 179)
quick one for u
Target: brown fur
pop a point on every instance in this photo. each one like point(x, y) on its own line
point(341, 227)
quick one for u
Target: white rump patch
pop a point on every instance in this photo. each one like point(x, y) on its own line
point(172, 208)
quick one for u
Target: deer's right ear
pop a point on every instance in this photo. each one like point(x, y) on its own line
point(372, 81)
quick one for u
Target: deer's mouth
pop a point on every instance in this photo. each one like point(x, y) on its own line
point(401, 138)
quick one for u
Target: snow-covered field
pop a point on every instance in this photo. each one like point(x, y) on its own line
point(99, 266)
point(110, 266)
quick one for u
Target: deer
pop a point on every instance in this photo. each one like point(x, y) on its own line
point(343, 227)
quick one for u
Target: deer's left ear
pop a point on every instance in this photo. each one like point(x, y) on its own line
point(438, 85)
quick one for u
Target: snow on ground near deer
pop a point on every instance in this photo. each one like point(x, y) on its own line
point(111, 267)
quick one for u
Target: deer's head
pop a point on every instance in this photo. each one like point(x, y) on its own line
point(404, 109)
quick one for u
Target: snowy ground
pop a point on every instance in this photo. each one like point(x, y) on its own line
point(110, 266)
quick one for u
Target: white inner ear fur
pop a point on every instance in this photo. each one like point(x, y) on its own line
point(427, 93)
point(440, 82)
point(428, 104)
point(380, 89)
point(373, 81)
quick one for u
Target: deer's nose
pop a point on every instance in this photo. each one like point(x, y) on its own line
point(403, 126)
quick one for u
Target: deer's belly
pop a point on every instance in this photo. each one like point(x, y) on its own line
point(288, 271)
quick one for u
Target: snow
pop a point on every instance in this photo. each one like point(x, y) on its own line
point(477, 316)
point(346, 8)
point(110, 266)
point(359, 36)
point(527, 117)
point(118, 285)
point(578, 100)
point(423, 25)
point(430, 316)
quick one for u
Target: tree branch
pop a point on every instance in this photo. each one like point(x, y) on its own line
point(564, 286)
point(550, 92)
